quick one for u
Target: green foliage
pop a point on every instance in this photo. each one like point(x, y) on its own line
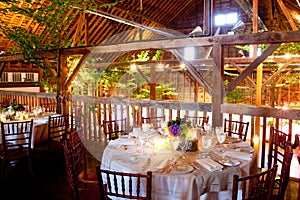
point(53, 16)
point(288, 48)
point(235, 96)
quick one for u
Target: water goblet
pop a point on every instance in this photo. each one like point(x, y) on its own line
point(142, 139)
point(207, 127)
point(174, 143)
point(207, 142)
point(182, 145)
point(36, 112)
point(221, 136)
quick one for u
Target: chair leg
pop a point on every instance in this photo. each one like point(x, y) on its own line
point(3, 171)
point(31, 169)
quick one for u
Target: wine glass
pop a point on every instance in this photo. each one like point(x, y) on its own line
point(207, 128)
point(142, 139)
point(207, 142)
point(174, 143)
point(221, 136)
point(182, 145)
point(36, 112)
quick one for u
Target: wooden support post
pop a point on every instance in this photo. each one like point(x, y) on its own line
point(218, 87)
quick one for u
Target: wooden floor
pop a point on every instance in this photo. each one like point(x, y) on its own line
point(51, 183)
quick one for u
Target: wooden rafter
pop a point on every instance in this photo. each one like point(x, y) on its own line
point(287, 14)
point(251, 68)
point(172, 43)
point(248, 78)
point(75, 71)
point(277, 72)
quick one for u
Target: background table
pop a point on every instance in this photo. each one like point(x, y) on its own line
point(40, 129)
point(185, 186)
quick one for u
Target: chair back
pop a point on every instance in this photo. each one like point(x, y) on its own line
point(282, 182)
point(113, 129)
point(256, 186)
point(236, 128)
point(16, 135)
point(78, 151)
point(277, 144)
point(124, 185)
point(71, 169)
point(76, 163)
point(198, 121)
point(157, 121)
point(57, 127)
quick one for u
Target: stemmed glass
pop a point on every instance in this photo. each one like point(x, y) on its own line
point(142, 139)
point(174, 143)
point(182, 145)
point(36, 112)
point(207, 142)
point(221, 136)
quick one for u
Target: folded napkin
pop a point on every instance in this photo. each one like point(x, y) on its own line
point(242, 144)
point(238, 155)
point(122, 141)
point(157, 162)
point(209, 164)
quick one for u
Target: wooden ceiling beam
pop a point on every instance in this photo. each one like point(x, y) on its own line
point(287, 14)
point(181, 42)
point(49, 55)
point(250, 68)
point(75, 71)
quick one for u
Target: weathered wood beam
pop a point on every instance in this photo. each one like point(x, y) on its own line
point(260, 111)
point(217, 87)
point(251, 67)
point(181, 42)
point(48, 54)
point(287, 14)
point(247, 8)
point(75, 71)
point(174, 105)
point(276, 73)
point(196, 62)
point(241, 71)
point(50, 67)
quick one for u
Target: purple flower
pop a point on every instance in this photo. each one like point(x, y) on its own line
point(174, 130)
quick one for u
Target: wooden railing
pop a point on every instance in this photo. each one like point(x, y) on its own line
point(89, 112)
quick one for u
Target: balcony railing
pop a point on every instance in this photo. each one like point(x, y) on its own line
point(89, 112)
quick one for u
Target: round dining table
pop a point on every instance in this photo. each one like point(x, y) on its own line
point(176, 176)
point(40, 128)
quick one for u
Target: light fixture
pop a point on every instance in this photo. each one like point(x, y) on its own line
point(196, 31)
point(239, 24)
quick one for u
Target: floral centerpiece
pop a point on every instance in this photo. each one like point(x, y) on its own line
point(13, 111)
point(182, 128)
point(13, 108)
point(173, 128)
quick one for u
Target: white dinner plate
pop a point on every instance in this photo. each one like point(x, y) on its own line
point(229, 162)
point(183, 168)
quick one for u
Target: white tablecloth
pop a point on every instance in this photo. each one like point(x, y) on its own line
point(174, 185)
point(40, 130)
